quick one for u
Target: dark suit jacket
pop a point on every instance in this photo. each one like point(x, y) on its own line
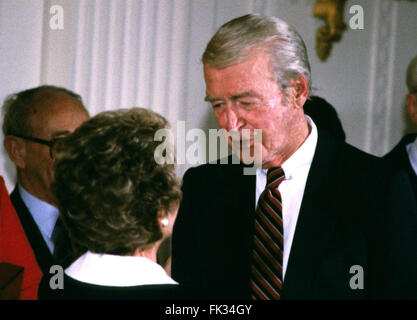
point(324, 116)
point(399, 158)
point(15, 248)
point(354, 212)
point(43, 256)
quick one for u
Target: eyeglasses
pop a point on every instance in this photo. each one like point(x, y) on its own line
point(51, 143)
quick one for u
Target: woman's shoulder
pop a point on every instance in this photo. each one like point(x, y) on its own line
point(72, 289)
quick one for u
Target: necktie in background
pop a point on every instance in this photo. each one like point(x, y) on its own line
point(64, 253)
point(268, 242)
point(57, 231)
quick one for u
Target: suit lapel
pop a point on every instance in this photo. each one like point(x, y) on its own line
point(235, 224)
point(38, 244)
point(245, 203)
point(315, 223)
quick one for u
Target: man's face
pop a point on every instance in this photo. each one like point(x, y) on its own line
point(246, 96)
point(411, 102)
point(53, 116)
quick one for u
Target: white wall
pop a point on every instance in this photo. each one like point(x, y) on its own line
point(20, 62)
point(405, 50)
point(122, 53)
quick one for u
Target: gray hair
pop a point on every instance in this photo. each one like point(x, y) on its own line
point(244, 37)
point(412, 76)
point(17, 108)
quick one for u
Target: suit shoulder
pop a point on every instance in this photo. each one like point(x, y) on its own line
point(353, 157)
point(398, 155)
point(214, 169)
point(371, 169)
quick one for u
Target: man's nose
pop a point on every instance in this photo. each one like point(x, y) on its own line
point(232, 118)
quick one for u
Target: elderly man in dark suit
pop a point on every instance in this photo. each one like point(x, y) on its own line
point(404, 154)
point(320, 220)
point(34, 120)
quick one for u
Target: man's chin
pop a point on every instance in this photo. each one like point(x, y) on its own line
point(249, 157)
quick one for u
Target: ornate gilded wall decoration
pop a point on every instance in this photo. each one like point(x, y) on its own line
point(332, 12)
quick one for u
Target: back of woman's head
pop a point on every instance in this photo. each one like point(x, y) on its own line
point(109, 187)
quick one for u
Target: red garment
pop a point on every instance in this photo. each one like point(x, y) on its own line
point(15, 247)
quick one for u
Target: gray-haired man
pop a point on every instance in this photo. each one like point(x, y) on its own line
point(319, 220)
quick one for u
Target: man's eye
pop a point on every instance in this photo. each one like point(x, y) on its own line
point(246, 103)
point(216, 105)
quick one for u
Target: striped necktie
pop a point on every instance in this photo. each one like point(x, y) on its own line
point(268, 242)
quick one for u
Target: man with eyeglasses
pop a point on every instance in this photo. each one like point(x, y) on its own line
point(404, 154)
point(34, 120)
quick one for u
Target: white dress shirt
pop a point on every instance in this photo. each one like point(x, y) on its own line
point(296, 170)
point(412, 154)
point(44, 214)
point(117, 271)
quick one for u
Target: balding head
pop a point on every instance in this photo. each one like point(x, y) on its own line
point(18, 107)
point(45, 114)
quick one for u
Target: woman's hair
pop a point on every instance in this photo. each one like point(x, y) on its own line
point(242, 38)
point(109, 187)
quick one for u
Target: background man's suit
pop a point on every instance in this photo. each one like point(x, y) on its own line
point(399, 158)
point(15, 248)
point(42, 253)
point(353, 212)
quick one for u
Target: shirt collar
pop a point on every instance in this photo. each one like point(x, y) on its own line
point(44, 214)
point(119, 271)
point(303, 156)
point(412, 154)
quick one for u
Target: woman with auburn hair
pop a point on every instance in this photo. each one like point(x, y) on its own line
point(117, 205)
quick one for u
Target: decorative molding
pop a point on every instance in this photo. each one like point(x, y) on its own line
point(332, 12)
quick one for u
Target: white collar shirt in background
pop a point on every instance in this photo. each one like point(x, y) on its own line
point(44, 214)
point(412, 154)
point(117, 271)
point(296, 170)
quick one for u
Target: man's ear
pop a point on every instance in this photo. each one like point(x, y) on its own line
point(16, 149)
point(411, 101)
point(300, 91)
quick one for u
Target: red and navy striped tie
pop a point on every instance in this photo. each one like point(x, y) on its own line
point(268, 242)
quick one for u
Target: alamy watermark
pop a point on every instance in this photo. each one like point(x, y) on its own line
point(56, 280)
point(245, 143)
point(357, 280)
point(57, 277)
point(357, 20)
point(56, 21)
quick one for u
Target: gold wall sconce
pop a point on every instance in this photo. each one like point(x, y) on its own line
point(332, 12)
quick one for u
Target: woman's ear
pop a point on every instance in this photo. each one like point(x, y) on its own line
point(16, 149)
point(163, 219)
point(164, 222)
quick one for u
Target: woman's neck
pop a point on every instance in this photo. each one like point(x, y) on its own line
point(150, 253)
